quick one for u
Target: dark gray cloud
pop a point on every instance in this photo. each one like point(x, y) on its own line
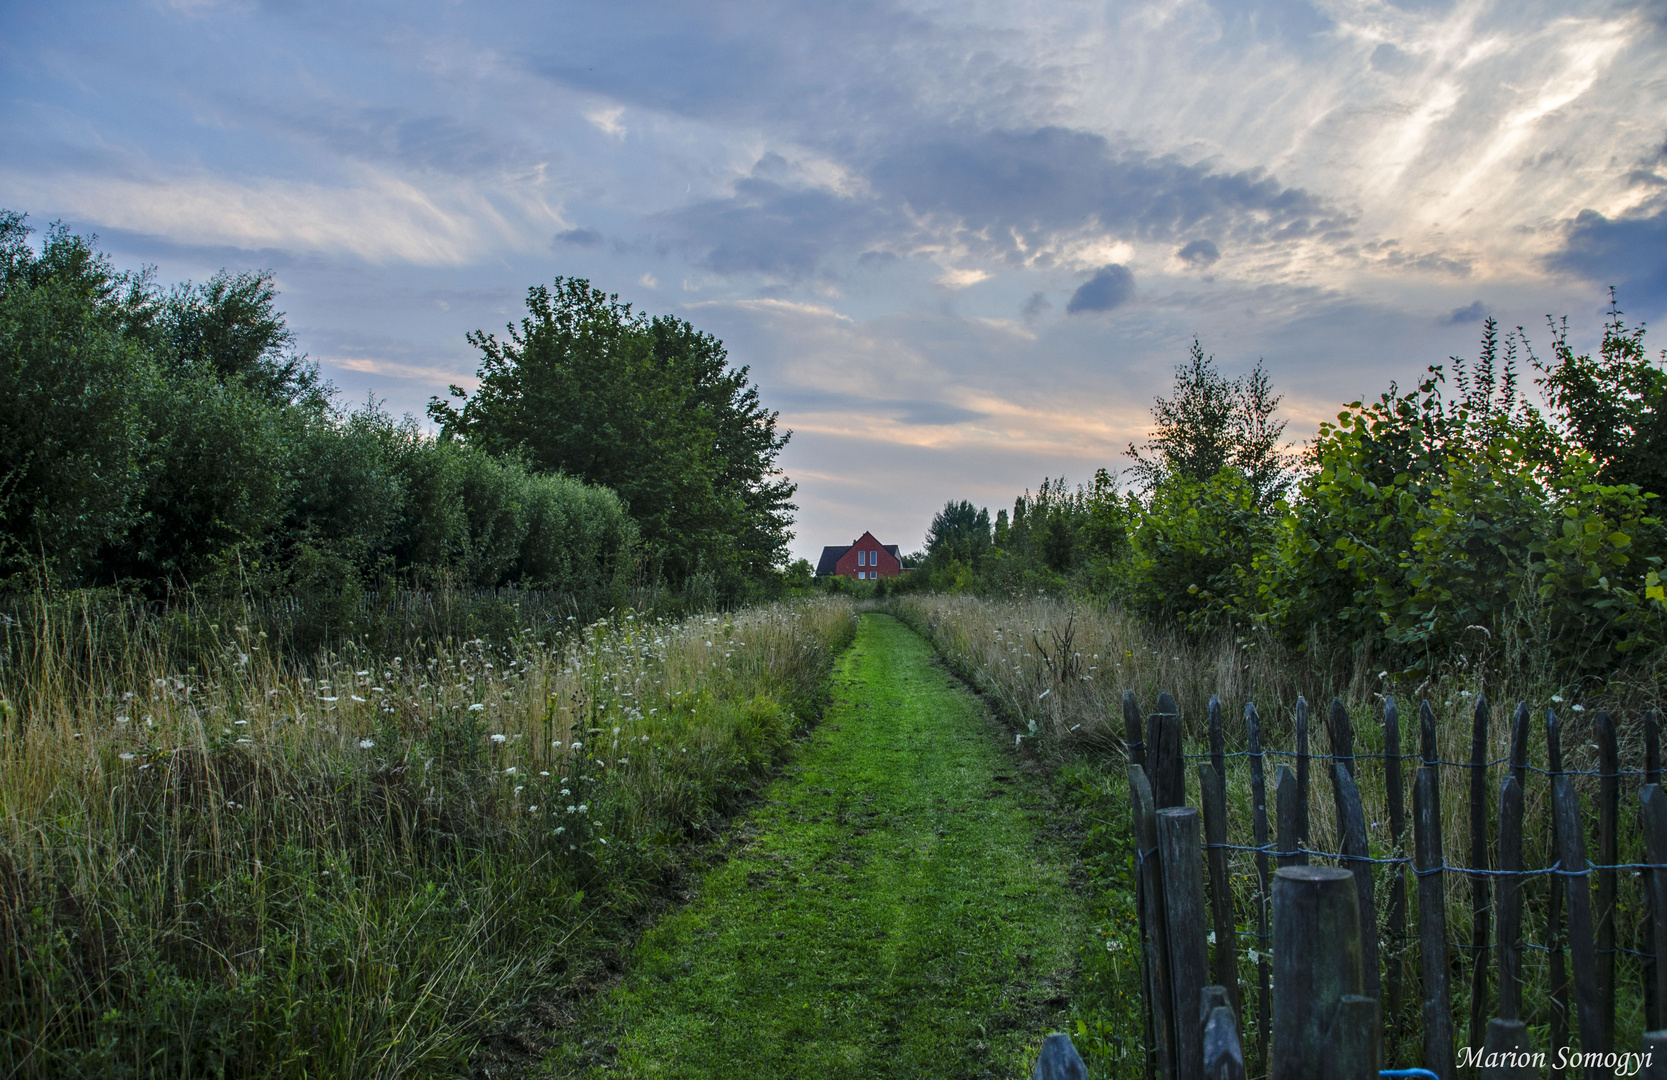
point(1627, 252)
point(1468, 314)
point(1004, 194)
point(1037, 306)
point(1112, 286)
point(580, 237)
point(1199, 253)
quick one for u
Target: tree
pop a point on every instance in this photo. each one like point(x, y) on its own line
point(647, 406)
point(229, 328)
point(960, 531)
point(1613, 406)
point(1213, 422)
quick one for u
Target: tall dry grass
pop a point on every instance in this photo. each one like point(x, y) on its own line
point(221, 862)
point(1057, 669)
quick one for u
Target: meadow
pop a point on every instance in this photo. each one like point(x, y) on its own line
point(1057, 668)
point(217, 858)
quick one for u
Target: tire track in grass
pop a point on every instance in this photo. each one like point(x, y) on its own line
point(899, 905)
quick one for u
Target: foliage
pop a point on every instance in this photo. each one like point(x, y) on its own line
point(175, 441)
point(1192, 544)
point(960, 531)
point(1212, 423)
point(1613, 406)
point(648, 407)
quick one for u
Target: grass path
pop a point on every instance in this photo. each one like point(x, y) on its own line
point(897, 906)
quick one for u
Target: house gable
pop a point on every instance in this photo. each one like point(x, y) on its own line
point(865, 558)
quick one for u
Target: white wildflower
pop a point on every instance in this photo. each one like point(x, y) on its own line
point(476, 707)
point(366, 744)
point(498, 738)
point(125, 757)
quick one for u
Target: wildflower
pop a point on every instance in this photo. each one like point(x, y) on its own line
point(560, 829)
point(509, 770)
point(572, 809)
point(1044, 693)
point(544, 774)
point(366, 744)
point(518, 790)
point(125, 757)
point(329, 699)
point(245, 740)
point(1578, 708)
point(361, 673)
point(498, 738)
point(583, 808)
point(530, 809)
point(602, 839)
point(121, 719)
point(564, 791)
point(240, 723)
point(1558, 698)
point(476, 707)
point(578, 746)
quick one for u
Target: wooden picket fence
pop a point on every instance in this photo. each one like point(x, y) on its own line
point(1332, 941)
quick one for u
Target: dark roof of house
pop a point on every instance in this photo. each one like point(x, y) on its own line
point(830, 559)
point(831, 556)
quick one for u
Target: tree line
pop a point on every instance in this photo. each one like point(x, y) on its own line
point(1455, 516)
point(162, 440)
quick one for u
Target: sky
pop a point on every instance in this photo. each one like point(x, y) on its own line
point(961, 247)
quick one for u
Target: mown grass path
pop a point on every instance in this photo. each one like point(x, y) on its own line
point(899, 905)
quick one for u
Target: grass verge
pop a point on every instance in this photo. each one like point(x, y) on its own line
point(364, 867)
point(900, 905)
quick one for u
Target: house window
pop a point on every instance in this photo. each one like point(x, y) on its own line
point(862, 558)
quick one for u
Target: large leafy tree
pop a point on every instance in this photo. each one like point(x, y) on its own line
point(647, 406)
point(959, 531)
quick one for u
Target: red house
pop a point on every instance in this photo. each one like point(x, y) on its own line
point(865, 559)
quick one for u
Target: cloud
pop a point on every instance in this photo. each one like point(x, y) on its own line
point(1199, 253)
point(1036, 307)
point(1042, 198)
point(1111, 287)
point(1468, 314)
point(580, 237)
point(1629, 252)
point(376, 217)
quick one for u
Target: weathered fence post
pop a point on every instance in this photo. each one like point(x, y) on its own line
point(1213, 797)
point(1341, 730)
point(1288, 793)
point(1132, 729)
point(1432, 921)
point(1510, 899)
point(1654, 803)
point(1218, 740)
point(1507, 1037)
point(1154, 938)
point(1397, 872)
point(1137, 761)
point(1481, 902)
point(1655, 1055)
point(1181, 856)
point(1571, 852)
point(1301, 821)
point(1356, 1039)
point(1223, 1056)
point(1166, 762)
point(1357, 858)
point(1059, 1060)
point(1652, 775)
point(1316, 930)
point(1554, 911)
point(1603, 919)
point(1259, 825)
